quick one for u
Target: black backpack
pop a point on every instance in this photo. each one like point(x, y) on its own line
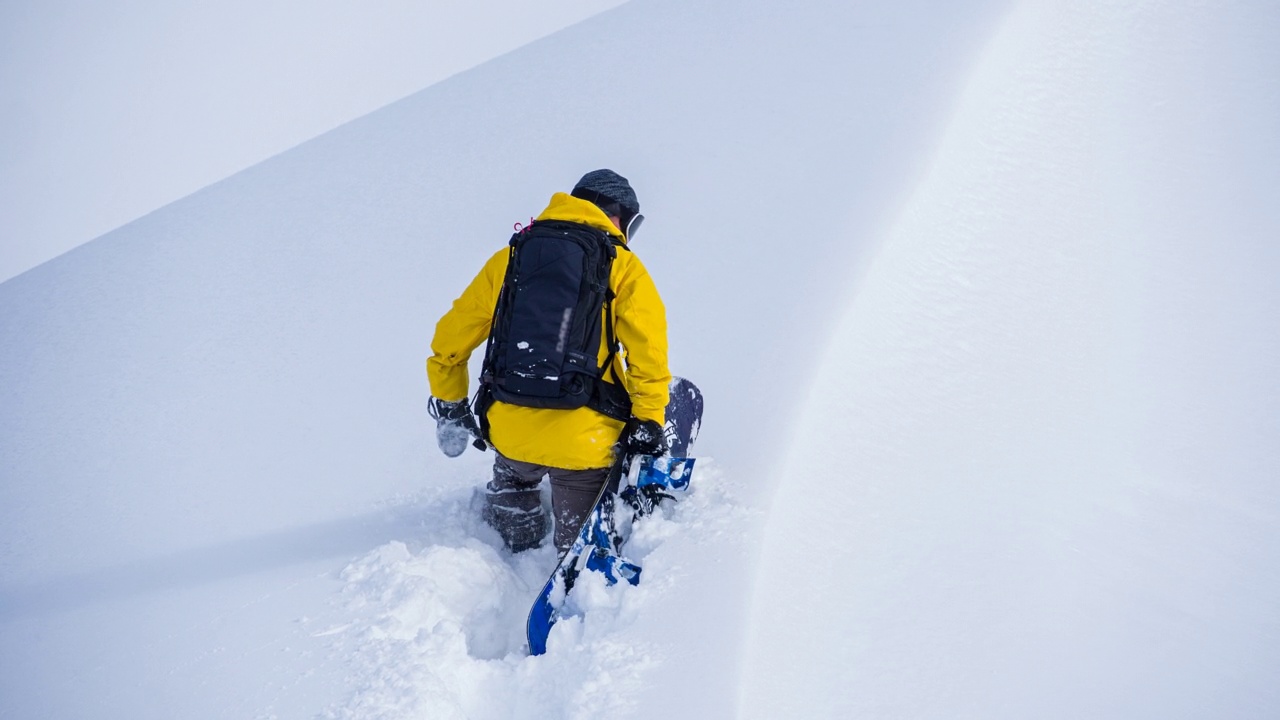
point(545, 341)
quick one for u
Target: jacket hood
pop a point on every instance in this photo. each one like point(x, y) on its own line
point(568, 208)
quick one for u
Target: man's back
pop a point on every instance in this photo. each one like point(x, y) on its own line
point(580, 438)
point(577, 446)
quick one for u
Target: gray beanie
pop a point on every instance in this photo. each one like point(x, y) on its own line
point(608, 185)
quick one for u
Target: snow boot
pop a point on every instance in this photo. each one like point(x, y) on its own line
point(513, 507)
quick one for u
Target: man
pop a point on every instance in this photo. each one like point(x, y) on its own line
point(574, 446)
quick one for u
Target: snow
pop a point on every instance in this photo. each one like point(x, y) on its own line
point(439, 628)
point(1041, 442)
point(981, 298)
point(114, 110)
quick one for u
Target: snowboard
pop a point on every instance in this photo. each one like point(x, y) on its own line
point(642, 484)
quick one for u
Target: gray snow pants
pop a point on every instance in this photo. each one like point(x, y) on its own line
point(513, 505)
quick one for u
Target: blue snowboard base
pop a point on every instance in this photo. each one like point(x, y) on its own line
point(598, 545)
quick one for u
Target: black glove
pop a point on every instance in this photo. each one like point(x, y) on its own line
point(455, 425)
point(644, 437)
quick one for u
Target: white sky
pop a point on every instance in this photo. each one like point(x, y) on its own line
point(109, 111)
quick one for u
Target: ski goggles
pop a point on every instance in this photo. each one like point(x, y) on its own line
point(633, 224)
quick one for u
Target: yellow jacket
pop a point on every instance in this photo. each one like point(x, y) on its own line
point(573, 439)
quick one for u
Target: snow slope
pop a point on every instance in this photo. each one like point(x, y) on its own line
point(220, 496)
point(1041, 450)
point(213, 430)
point(113, 110)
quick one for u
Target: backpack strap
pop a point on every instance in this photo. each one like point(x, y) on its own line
point(483, 399)
point(611, 398)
